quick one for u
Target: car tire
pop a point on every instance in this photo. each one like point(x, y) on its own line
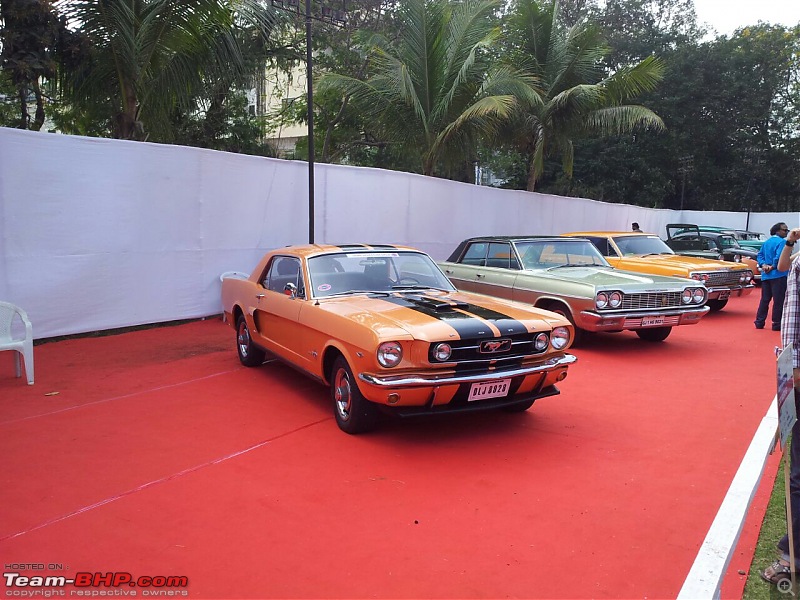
point(564, 312)
point(654, 334)
point(518, 408)
point(250, 355)
point(354, 413)
point(716, 305)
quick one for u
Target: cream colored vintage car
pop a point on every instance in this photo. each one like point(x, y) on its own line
point(385, 329)
point(570, 277)
point(646, 253)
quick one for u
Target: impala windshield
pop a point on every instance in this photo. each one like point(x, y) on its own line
point(546, 254)
point(379, 271)
point(631, 245)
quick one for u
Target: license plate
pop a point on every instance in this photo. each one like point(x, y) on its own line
point(492, 389)
point(724, 295)
point(652, 321)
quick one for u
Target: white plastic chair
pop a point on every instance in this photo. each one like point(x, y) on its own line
point(235, 275)
point(21, 346)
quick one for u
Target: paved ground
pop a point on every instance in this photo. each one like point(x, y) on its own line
point(155, 453)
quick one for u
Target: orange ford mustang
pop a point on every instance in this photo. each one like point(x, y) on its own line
point(647, 253)
point(386, 330)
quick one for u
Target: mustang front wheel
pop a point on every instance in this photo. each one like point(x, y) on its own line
point(353, 412)
point(249, 354)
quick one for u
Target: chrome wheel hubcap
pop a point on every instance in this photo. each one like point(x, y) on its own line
point(342, 394)
point(243, 339)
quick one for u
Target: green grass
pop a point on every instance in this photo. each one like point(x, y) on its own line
point(772, 529)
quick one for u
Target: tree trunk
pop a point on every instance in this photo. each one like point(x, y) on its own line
point(38, 120)
point(531, 186)
point(23, 107)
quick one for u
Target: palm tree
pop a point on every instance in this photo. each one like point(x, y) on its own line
point(150, 57)
point(578, 99)
point(434, 91)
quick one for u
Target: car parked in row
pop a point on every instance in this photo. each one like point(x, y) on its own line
point(570, 276)
point(386, 330)
point(684, 238)
point(647, 253)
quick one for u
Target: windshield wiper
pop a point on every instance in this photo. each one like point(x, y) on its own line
point(568, 265)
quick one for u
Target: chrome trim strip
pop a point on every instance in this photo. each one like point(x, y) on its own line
point(435, 380)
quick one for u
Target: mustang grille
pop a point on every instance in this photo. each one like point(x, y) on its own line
point(716, 278)
point(468, 351)
point(652, 300)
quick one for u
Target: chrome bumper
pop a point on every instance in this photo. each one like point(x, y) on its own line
point(400, 381)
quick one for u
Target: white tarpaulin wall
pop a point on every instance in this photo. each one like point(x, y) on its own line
point(97, 234)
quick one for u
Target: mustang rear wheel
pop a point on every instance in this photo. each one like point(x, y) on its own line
point(654, 334)
point(249, 354)
point(353, 412)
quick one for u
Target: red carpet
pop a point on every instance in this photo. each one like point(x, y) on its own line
point(154, 453)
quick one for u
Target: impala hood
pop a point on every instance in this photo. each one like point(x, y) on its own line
point(607, 278)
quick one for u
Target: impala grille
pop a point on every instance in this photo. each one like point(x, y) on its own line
point(717, 278)
point(652, 300)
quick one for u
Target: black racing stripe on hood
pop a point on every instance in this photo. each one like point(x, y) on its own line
point(504, 323)
point(467, 326)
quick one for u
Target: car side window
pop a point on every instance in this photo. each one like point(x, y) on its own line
point(475, 255)
point(500, 255)
point(603, 246)
point(283, 270)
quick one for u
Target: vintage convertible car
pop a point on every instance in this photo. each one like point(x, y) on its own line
point(570, 277)
point(645, 253)
point(385, 329)
point(751, 240)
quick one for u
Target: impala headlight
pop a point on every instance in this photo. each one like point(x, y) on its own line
point(687, 296)
point(540, 342)
point(700, 277)
point(615, 299)
point(442, 352)
point(699, 295)
point(737, 258)
point(601, 300)
point(390, 354)
point(559, 338)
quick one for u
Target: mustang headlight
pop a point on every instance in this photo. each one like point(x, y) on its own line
point(541, 342)
point(615, 299)
point(560, 338)
point(442, 352)
point(390, 354)
point(601, 300)
point(699, 295)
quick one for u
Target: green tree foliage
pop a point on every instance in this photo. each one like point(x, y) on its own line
point(29, 34)
point(579, 98)
point(150, 58)
point(433, 91)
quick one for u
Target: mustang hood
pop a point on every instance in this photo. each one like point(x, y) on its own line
point(435, 315)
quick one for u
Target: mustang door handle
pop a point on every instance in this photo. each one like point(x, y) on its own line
point(259, 296)
point(480, 276)
point(448, 271)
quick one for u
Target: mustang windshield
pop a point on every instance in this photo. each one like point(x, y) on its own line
point(546, 254)
point(631, 245)
point(374, 271)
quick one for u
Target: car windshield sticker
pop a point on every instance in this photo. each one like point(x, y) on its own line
point(374, 255)
point(324, 287)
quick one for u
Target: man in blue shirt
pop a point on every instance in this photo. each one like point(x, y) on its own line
point(773, 280)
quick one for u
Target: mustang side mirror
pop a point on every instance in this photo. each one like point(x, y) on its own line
point(290, 290)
